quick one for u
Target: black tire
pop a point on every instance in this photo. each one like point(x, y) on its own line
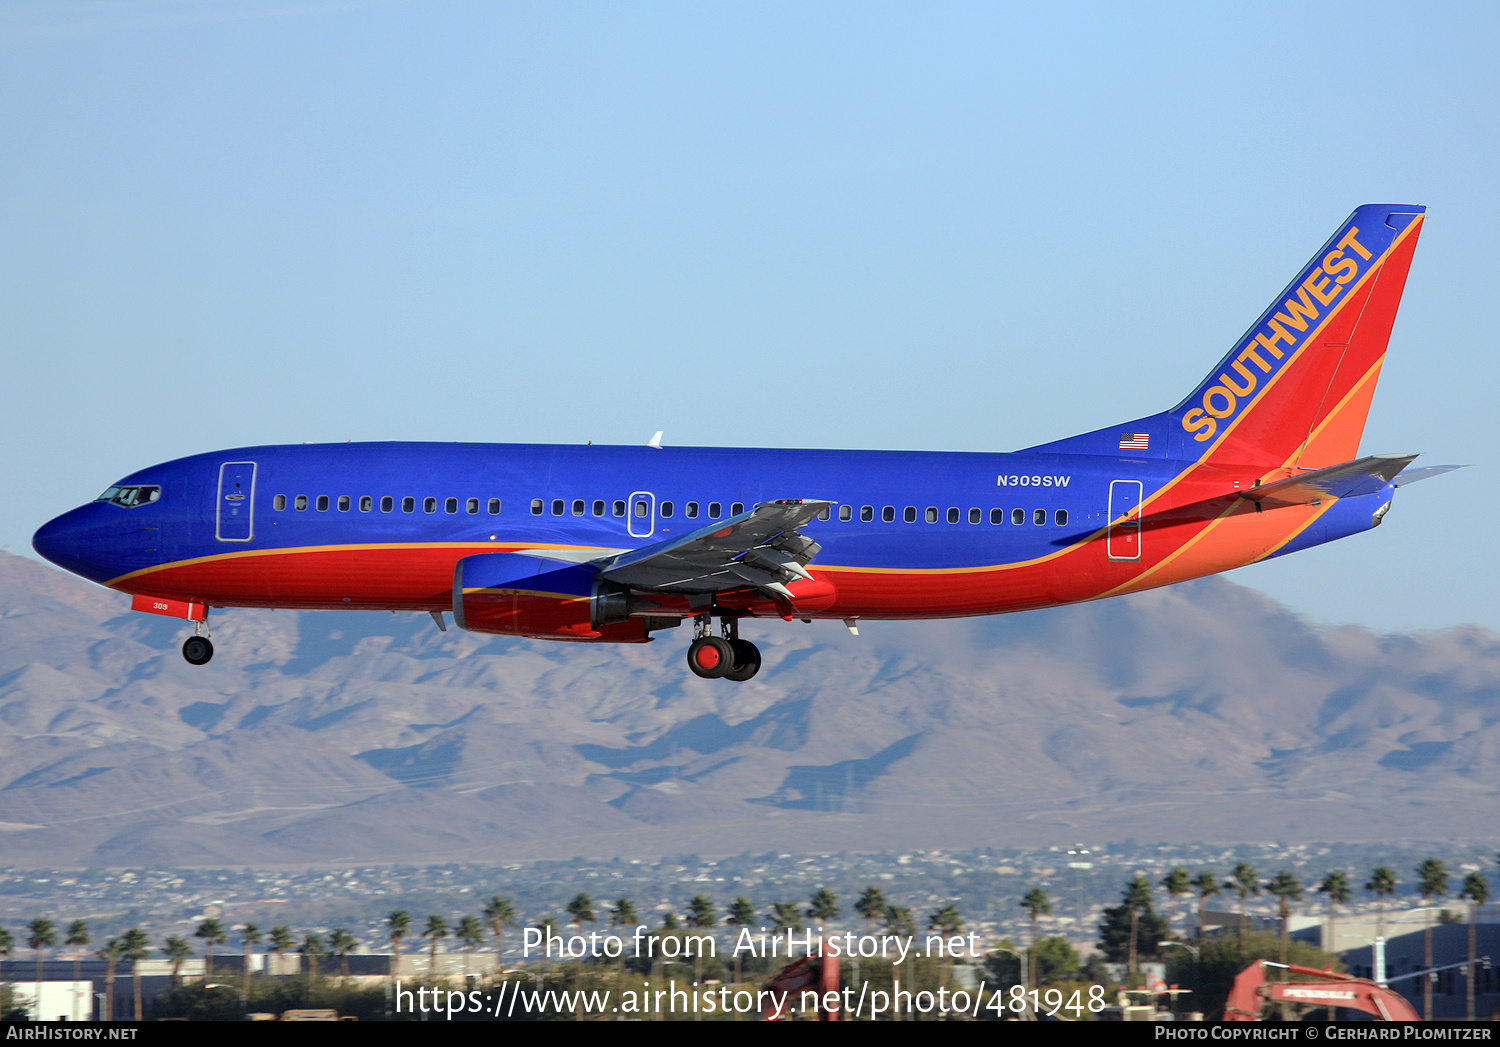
point(746, 661)
point(197, 650)
point(710, 657)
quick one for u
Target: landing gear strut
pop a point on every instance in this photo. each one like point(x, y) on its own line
point(727, 656)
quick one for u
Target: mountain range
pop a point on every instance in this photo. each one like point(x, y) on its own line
point(1201, 712)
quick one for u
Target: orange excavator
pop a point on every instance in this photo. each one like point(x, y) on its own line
point(1325, 988)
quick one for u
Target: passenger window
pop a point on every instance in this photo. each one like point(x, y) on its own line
point(536, 507)
point(494, 507)
point(1018, 516)
point(690, 510)
point(300, 503)
point(827, 511)
point(577, 506)
point(618, 508)
point(715, 510)
point(599, 507)
point(997, 516)
point(450, 505)
point(279, 502)
point(846, 513)
point(408, 504)
point(343, 503)
point(910, 516)
point(975, 516)
point(429, 505)
point(867, 513)
point(1060, 517)
point(322, 503)
point(366, 503)
point(387, 504)
point(557, 507)
point(472, 506)
point(952, 515)
point(932, 514)
point(666, 509)
point(1039, 516)
point(888, 514)
point(736, 508)
point(642, 507)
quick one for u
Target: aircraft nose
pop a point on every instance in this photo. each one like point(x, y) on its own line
point(73, 542)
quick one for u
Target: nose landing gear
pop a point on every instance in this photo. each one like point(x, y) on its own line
point(727, 656)
point(198, 648)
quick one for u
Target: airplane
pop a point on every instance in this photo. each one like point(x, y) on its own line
point(613, 544)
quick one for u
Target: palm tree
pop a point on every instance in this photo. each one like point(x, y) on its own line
point(41, 933)
point(312, 947)
point(1287, 889)
point(1175, 883)
point(1382, 884)
point(824, 906)
point(1206, 884)
point(1336, 885)
point(581, 911)
point(622, 914)
point(177, 950)
point(741, 914)
point(281, 940)
point(785, 916)
point(871, 906)
point(701, 916)
point(1432, 883)
point(343, 943)
point(135, 947)
point(250, 936)
point(78, 937)
point(498, 912)
point(1244, 881)
point(1037, 904)
point(471, 933)
point(399, 923)
point(1477, 889)
point(1138, 899)
point(947, 922)
point(212, 932)
point(436, 931)
point(898, 920)
point(112, 953)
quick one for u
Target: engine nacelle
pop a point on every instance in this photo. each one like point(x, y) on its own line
point(516, 595)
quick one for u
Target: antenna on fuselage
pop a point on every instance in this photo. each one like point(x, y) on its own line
point(655, 441)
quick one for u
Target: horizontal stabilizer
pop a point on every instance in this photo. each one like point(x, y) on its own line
point(1411, 476)
point(1362, 476)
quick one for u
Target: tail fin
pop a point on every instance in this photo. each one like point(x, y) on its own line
point(1295, 389)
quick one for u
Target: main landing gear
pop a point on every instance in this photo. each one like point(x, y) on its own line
point(198, 648)
point(727, 656)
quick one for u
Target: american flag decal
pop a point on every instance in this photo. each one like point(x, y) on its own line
point(1135, 441)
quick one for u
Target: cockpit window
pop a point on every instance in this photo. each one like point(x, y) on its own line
point(130, 497)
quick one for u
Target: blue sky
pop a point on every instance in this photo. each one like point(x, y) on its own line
point(960, 226)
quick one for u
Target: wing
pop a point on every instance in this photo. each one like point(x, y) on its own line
point(759, 549)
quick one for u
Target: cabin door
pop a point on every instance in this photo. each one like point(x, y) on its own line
point(640, 514)
point(236, 510)
point(1124, 540)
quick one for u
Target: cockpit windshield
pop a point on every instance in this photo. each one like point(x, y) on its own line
point(132, 496)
